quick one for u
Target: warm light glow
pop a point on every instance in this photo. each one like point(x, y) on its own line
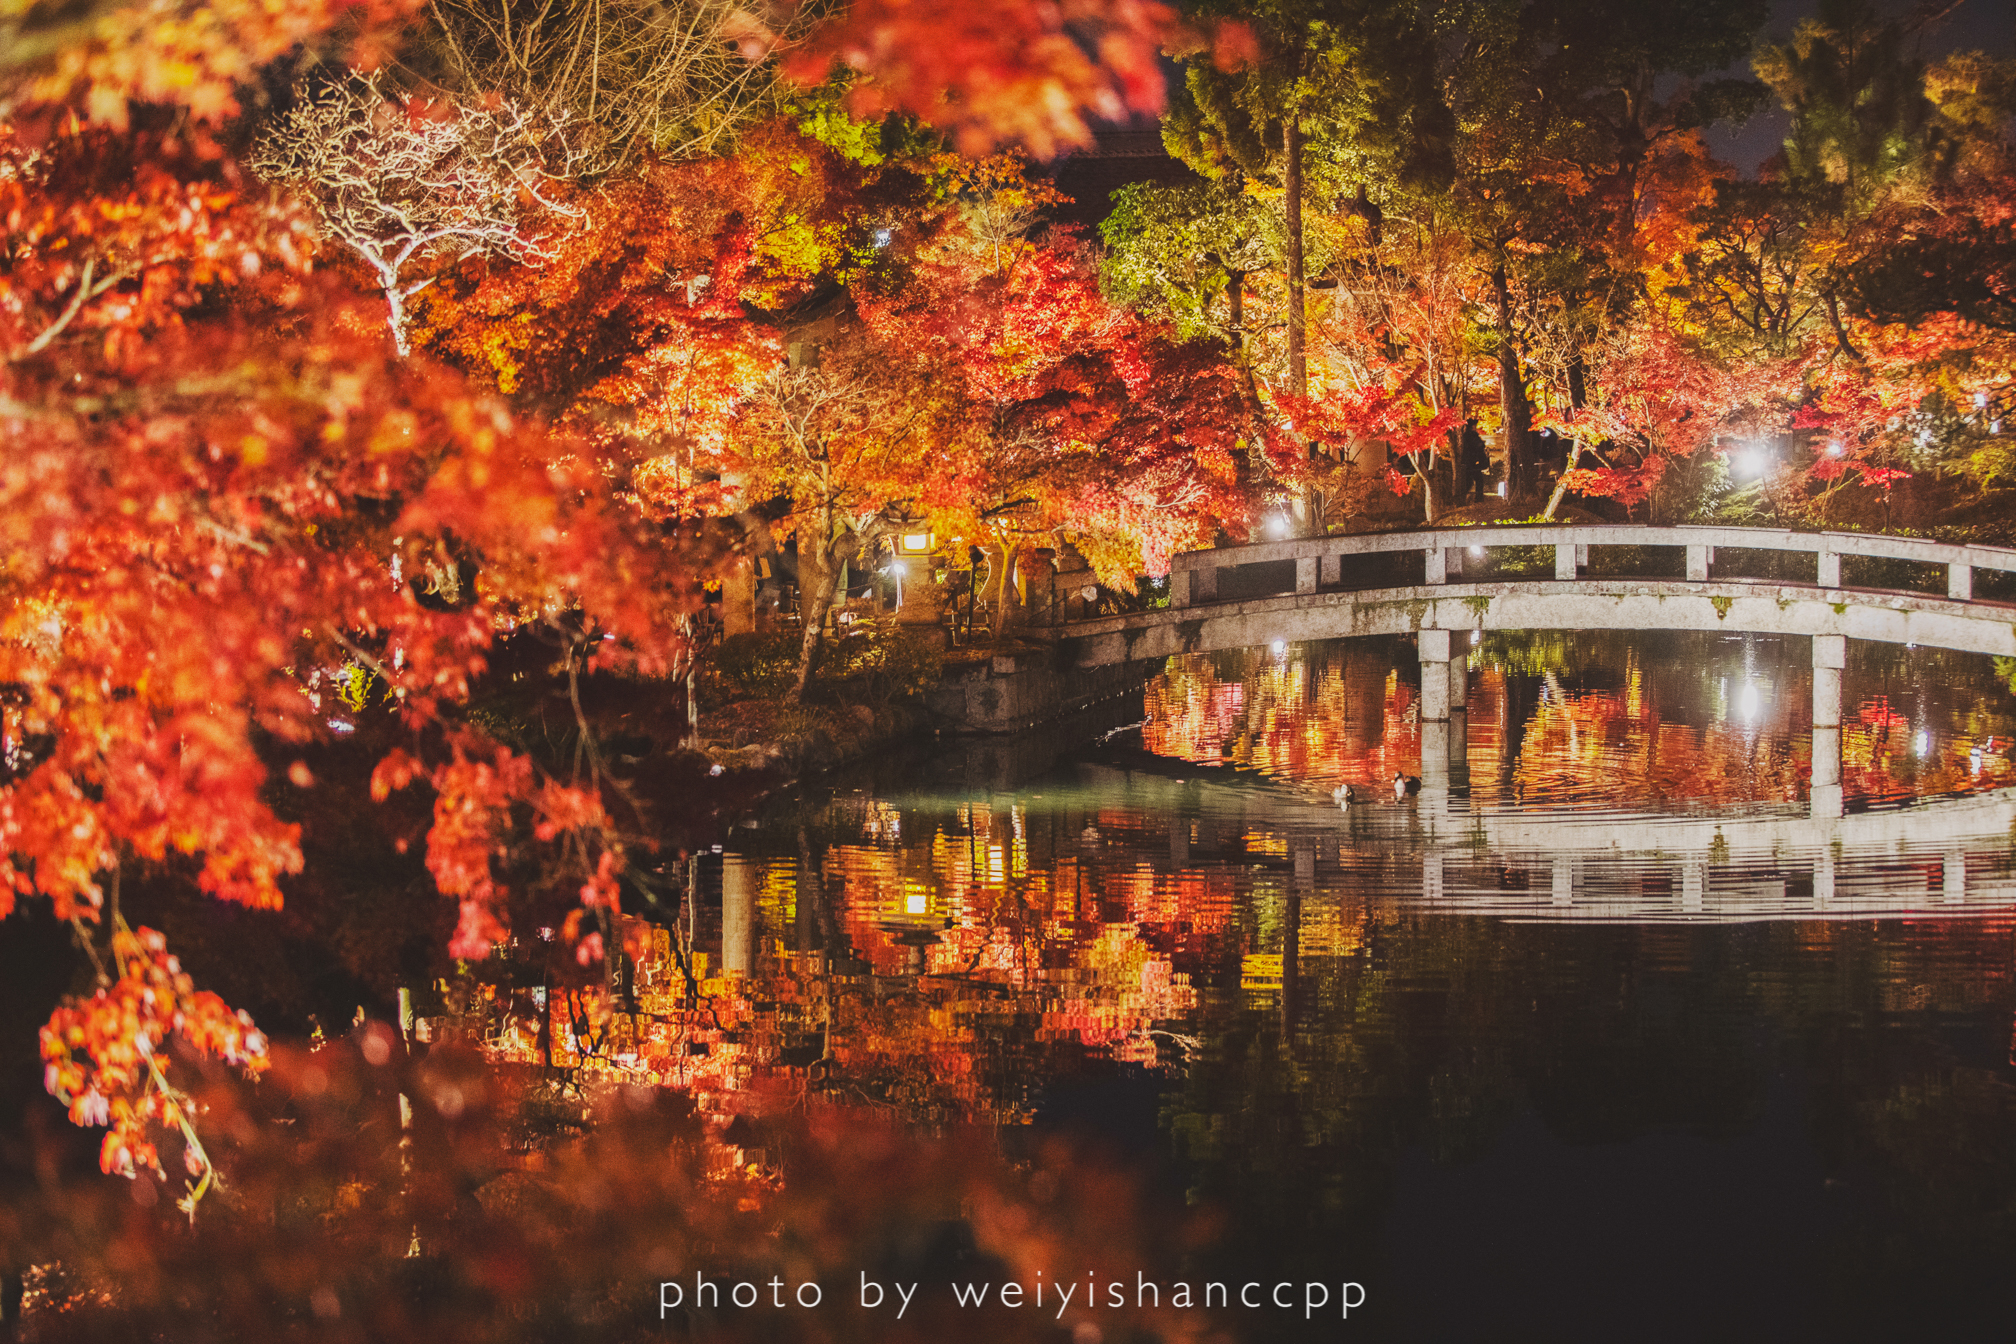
point(914, 543)
point(1278, 525)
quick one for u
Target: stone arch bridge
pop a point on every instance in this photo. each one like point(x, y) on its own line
point(1316, 588)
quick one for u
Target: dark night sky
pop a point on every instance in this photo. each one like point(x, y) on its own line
point(1132, 152)
point(1985, 25)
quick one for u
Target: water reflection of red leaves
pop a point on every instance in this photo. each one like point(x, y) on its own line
point(1323, 723)
point(1614, 748)
point(1881, 757)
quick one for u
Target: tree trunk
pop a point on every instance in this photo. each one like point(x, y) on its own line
point(1291, 174)
point(1001, 558)
point(1298, 359)
point(1561, 482)
point(816, 572)
point(1522, 478)
point(395, 318)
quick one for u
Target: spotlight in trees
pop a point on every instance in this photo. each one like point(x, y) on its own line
point(1278, 525)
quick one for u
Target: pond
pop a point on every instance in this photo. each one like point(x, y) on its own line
point(1595, 1029)
point(1617, 1043)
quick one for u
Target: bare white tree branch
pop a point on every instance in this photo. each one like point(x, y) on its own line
point(403, 182)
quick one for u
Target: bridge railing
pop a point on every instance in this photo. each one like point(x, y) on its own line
point(1194, 576)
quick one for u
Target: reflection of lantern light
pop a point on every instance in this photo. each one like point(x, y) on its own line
point(1751, 701)
point(914, 543)
point(1924, 744)
point(1280, 647)
point(915, 902)
point(1476, 637)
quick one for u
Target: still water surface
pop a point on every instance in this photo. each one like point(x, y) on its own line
point(1610, 1042)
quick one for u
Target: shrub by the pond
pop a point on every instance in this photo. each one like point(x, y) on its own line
point(876, 663)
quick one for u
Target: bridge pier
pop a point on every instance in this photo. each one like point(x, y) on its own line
point(741, 878)
point(1693, 886)
point(1434, 766)
point(1433, 646)
point(1830, 655)
point(1953, 877)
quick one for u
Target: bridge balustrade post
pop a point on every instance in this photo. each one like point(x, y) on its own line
point(1305, 574)
point(1829, 569)
point(1330, 570)
point(1698, 560)
point(1452, 561)
point(1582, 555)
point(1435, 564)
point(1960, 582)
point(1564, 562)
point(1431, 874)
point(1179, 587)
point(1564, 880)
point(1693, 886)
point(1830, 655)
point(1204, 584)
point(1823, 880)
